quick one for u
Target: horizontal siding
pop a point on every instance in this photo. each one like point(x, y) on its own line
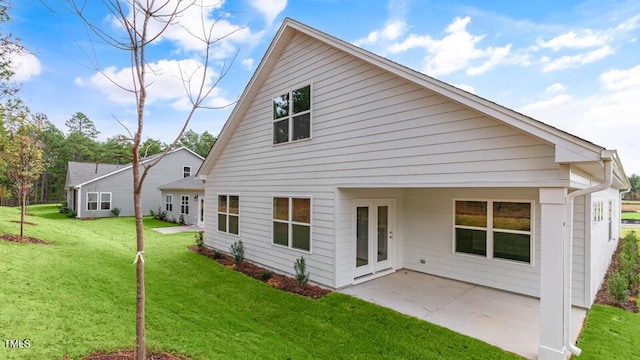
point(428, 234)
point(579, 268)
point(369, 127)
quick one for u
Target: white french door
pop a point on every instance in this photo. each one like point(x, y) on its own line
point(374, 228)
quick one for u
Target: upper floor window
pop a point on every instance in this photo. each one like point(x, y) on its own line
point(292, 116)
point(186, 171)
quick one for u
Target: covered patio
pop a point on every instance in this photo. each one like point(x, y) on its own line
point(504, 319)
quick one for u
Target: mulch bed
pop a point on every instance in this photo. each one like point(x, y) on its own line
point(24, 239)
point(278, 281)
point(130, 355)
point(603, 297)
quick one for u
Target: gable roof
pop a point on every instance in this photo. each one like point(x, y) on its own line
point(79, 174)
point(187, 183)
point(568, 148)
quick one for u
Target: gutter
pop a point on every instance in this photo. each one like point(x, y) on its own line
point(607, 156)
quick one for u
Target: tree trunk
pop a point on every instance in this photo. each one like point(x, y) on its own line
point(23, 201)
point(141, 341)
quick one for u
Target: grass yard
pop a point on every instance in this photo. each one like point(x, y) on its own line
point(78, 295)
point(631, 215)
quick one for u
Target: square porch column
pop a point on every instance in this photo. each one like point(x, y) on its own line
point(552, 203)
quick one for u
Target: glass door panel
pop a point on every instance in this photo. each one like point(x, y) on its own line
point(362, 236)
point(383, 233)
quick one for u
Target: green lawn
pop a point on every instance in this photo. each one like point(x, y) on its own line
point(78, 295)
point(631, 215)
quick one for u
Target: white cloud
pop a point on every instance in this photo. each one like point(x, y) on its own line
point(556, 88)
point(25, 66)
point(247, 63)
point(269, 8)
point(585, 39)
point(564, 62)
point(467, 88)
point(457, 50)
point(608, 118)
point(389, 32)
point(629, 24)
point(197, 21)
point(621, 79)
point(165, 79)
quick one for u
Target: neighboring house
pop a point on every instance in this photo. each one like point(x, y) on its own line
point(364, 166)
point(184, 197)
point(94, 189)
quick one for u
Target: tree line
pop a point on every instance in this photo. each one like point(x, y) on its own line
point(77, 142)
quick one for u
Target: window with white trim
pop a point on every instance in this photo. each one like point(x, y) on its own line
point(292, 116)
point(228, 213)
point(597, 211)
point(184, 204)
point(105, 201)
point(292, 222)
point(92, 201)
point(186, 171)
point(494, 229)
point(168, 202)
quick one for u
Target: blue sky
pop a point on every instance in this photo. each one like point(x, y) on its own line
point(572, 64)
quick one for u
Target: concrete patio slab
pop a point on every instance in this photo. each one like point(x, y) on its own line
point(177, 229)
point(507, 320)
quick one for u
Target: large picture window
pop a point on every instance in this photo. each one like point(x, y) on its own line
point(292, 116)
point(292, 222)
point(494, 229)
point(228, 213)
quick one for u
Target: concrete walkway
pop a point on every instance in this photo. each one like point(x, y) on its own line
point(177, 229)
point(507, 320)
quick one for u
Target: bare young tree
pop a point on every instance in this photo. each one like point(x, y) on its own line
point(143, 23)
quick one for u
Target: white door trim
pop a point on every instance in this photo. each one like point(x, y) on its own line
point(374, 268)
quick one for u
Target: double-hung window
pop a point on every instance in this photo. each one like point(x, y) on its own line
point(105, 201)
point(186, 171)
point(292, 116)
point(98, 201)
point(168, 202)
point(184, 204)
point(292, 222)
point(228, 213)
point(92, 201)
point(494, 229)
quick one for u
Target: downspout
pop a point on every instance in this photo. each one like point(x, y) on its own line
point(607, 157)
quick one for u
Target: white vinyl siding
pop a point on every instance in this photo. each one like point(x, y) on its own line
point(369, 129)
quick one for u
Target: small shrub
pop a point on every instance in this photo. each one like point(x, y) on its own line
point(266, 275)
point(63, 208)
point(217, 254)
point(237, 249)
point(181, 220)
point(302, 274)
point(159, 215)
point(618, 287)
point(199, 238)
point(115, 211)
point(628, 267)
point(71, 214)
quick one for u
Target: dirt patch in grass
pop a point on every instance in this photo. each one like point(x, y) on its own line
point(26, 222)
point(278, 281)
point(24, 239)
point(129, 355)
point(604, 297)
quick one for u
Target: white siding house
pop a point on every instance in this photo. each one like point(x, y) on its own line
point(364, 167)
point(183, 199)
point(93, 189)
